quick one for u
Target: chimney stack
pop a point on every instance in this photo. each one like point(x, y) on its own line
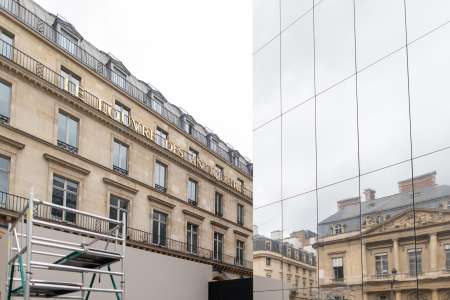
point(420, 182)
point(369, 194)
point(347, 202)
point(276, 235)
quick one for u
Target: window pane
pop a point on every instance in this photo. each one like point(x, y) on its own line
point(5, 99)
point(72, 127)
point(4, 174)
point(62, 127)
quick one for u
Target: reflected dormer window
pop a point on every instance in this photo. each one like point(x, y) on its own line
point(338, 229)
point(213, 145)
point(118, 77)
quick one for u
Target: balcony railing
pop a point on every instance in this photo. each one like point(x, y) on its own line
point(67, 147)
point(14, 203)
point(47, 31)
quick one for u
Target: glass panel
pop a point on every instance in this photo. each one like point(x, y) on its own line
point(339, 243)
point(266, 76)
point(266, 21)
point(299, 154)
point(337, 157)
point(300, 233)
point(334, 42)
point(5, 99)
point(72, 126)
point(424, 16)
point(384, 113)
point(298, 62)
point(432, 216)
point(267, 241)
point(380, 29)
point(62, 127)
point(430, 70)
point(267, 164)
point(292, 11)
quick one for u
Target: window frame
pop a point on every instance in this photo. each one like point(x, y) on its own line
point(218, 204)
point(119, 209)
point(161, 137)
point(240, 214)
point(120, 169)
point(158, 166)
point(381, 264)
point(65, 191)
point(191, 236)
point(5, 173)
point(189, 192)
point(240, 252)
point(119, 108)
point(66, 143)
point(218, 246)
point(161, 239)
point(338, 271)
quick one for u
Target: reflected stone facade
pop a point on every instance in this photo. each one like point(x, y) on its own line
point(352, 141)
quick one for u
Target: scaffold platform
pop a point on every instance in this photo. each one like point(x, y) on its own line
point(94, 255)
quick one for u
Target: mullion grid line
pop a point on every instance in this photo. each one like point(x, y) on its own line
point(379, 60)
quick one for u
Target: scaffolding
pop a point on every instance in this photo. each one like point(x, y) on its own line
point(91, 252)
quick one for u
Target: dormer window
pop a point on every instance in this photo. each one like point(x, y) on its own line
point(189, 127)
point(338, 229)
point(236, 160)
point(68, 41)
point(118, 77)
point(267, 245)
point(213, 145)
point(157, 106)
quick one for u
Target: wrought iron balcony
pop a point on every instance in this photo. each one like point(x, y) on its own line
point(67, 147)
point(120, 170)
point(48, 32)
point(14, 203)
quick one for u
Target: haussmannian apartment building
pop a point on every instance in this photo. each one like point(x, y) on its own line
point(352, 142)
point(79, 130)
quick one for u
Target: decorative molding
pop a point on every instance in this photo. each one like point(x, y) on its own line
point(240, 233)
point(192, 214)
point(119, 185)
point(66, 164)
point(161, 202)
point(214, 223)
point(11, 142)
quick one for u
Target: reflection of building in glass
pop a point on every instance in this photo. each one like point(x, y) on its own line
point(286, 261)
point(394, 245)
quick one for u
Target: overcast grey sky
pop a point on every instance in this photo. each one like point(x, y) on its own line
point(198, 53)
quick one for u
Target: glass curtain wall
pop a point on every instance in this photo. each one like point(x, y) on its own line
point(352, 149)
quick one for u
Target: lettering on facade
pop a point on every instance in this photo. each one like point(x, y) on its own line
point(150, 134)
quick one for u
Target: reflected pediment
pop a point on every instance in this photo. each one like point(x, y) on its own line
point(423, 217)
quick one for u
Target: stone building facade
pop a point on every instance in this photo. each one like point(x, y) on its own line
point(395, 247)
point(77, 128)
point(285, 262)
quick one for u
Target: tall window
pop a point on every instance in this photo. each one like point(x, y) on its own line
point(218, 208)
point(338, 268)
point(192, 191)
point(65, 193)
point(381, 264)
point(192, 238)
point(241, 184)
point(118, 206)
point(5, 101)
point(220, 171)
point(4, 174)
point(7, 42)
point(218, 246)
point(122, 113)
point(161, 137)
point(120, 157)
point(447, 256)
point(192, 155)
point(67, 132)
point(118, 77)
point(159, 232)
point(239, 252)
point(240, 214)
point(68, 42)
point(415, 261)
point(71, 81)
point(268, 261)
point(213, 145)
point(160, 176)
point(267, 246)
point(157, 106)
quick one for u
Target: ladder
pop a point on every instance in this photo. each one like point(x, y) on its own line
point(99, 244)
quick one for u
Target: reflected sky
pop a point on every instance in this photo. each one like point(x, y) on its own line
point(355, 124)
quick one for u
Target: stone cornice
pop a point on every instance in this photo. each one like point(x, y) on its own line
point(161, 202)
point(66, 164)
point(220, 225)
point(119, 185)
point(192, 214)
point(11, 142)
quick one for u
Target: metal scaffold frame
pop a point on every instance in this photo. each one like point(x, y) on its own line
point(85, 257)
